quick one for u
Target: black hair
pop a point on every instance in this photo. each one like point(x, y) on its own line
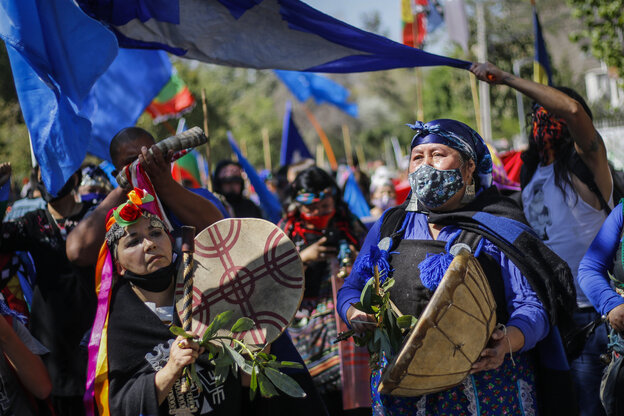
point(127, 135)
point(216, 181)
point(315, 180)
point(564, 150)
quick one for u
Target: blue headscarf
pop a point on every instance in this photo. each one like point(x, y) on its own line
point(460, 137)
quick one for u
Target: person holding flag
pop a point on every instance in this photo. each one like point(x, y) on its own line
point(567, 192)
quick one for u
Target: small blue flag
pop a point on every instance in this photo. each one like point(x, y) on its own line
point(541, 64)
point(293, 148)
point(269, 202)
point(354, 198)
point(304, 85)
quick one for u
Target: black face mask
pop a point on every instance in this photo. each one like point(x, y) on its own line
point(156, 281)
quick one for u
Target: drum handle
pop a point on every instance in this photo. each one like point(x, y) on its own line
point(188, 247)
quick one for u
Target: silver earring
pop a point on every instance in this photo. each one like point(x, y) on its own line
point(469, 194)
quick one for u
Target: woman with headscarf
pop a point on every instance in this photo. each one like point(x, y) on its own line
point(450, 173)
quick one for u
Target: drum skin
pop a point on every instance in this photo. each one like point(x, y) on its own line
point(449, 336)
point(248, 266)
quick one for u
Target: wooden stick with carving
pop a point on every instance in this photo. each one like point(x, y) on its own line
point(188, 247)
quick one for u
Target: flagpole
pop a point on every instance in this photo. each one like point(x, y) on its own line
point(320, 160)
point(475, 100)
point(347, 145)
point(420, 112)
point(243, 148)
point(359, 150)
point(206, 132)
point(484, 87)
point(267, 148)
point(324, 140)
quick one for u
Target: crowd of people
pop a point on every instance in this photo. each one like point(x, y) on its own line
point(552, 254)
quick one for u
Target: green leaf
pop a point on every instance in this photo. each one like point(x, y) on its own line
point(253, 384)
point(284, 382)
point(195, 378)
point(376, 300)
point(236, 356)
point(284, 364)
point(217, 323)
point(263, 355)
point(177, 331)
point(358, 306)
point(243, 324)
point(367, 293)
point(382, 342)
point(221, 373)
point(406, 321)
point(266, 387)
point(223, 359)
point(387, 284)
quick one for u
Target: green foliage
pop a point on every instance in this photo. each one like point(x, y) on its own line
point(602, 30)
point(389, 330)
point(229, 353)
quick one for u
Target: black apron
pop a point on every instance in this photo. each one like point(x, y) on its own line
point(411, 296)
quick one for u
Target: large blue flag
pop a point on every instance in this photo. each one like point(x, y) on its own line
point(269, 202)
point(541, 64)
point(57, 53)
point(304, 85)
point(293, 148)
point(354, 198)
point(76, 90)
point(273, 34)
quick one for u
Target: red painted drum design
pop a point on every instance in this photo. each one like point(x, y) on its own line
point(248, 266)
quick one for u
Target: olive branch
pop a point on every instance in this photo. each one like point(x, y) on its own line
point(389, 327)
point(227, 353)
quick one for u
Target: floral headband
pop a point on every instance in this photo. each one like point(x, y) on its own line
point(129, 213)
point(307, 198)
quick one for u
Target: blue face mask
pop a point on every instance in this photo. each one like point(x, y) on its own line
point(434, 187)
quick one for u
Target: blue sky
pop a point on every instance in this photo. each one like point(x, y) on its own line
point(351, 11)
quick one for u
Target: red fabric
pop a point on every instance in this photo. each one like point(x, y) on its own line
point(180, 102)
point(16, 302)
point(354, 368)
point(180, 174)
point(512, 164)
point(403, 189)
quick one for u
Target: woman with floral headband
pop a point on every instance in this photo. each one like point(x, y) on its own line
point(135, 364)
point(453, 201)
point(318, 222)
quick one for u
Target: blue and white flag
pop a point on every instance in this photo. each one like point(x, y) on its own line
point(293, 148)
point(268, 201)
point(263, 34)
point(304, 85)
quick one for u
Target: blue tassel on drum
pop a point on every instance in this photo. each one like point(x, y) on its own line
point(433, 267)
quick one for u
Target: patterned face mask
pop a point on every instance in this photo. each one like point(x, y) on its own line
point(547, 131)
point(434, 187)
